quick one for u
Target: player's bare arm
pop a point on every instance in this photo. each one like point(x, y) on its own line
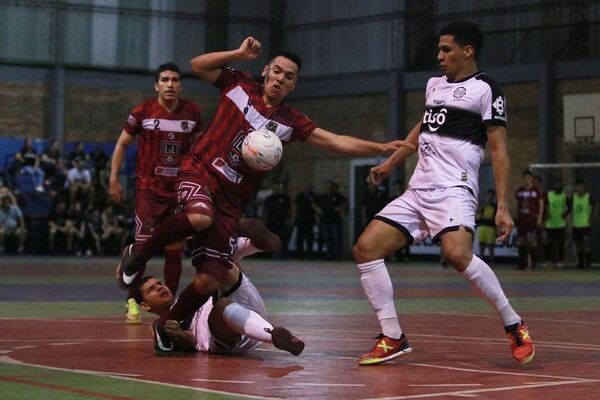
point(208, 66)
point(496, 136)
point(349, 145)
point(114, 186)
point(183, 339)
point(408, 147)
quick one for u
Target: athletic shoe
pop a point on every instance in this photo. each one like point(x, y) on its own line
point(129, 269)
point(385, 349)
point(162, 343)
point(133, 315)
point(520, 342)
point(285, 340)
point(262, 238)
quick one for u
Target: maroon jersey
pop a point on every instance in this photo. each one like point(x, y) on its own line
point(164, 139)
point(529, 201)
point(216, 158)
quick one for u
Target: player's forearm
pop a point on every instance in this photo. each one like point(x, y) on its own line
point(212, 61)
point(501, 168)
point(117, 161)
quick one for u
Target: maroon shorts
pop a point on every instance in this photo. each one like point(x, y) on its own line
point(527, 228)
point(213, 247)
point(150, 212)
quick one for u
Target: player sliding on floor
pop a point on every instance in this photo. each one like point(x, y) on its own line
point(464, 109)
point(232, 322)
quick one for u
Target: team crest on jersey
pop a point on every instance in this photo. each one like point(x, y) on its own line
point(271, 126)
point(185, 126)
point(459, 92)
point(169, 151)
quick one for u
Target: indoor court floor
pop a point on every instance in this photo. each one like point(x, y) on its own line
point(63, 336)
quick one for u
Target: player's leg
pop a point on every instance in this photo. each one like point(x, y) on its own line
point(379, 240)
point(456, 249)
point(173, 266)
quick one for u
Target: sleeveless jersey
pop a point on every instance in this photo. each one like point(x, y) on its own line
point(557, 206)
point(164, 139)
point(582, 210)
point(453, 131)
point(217, 156)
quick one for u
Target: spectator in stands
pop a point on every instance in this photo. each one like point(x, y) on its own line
point(12, 223)
point(332, 206)
point(375, 198)
point(98, 159)
point(50, 159)
point(305, 220)
point(112, 233)
point(79, 182)
point(29, 164)
point(78, 153)
point(93, 232)
point(59, 228)
point(76, 226)
point(277, 210)
point(57, 183)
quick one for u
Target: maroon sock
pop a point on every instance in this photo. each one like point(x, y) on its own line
point(172, 270)
point(188, 302)
point(174, 229)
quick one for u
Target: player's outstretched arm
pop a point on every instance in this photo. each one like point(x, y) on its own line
point(496, 136)
point(114, 186)
point(208, 66)
point(350, 145)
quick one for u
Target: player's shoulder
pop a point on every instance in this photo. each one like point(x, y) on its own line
point(189, 104)
point(145, 105)
point(485, 79)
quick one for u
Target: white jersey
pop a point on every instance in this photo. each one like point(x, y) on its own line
point(453, 131)
point(245, 295)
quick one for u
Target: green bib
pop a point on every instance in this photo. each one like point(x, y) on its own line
point(582, 210)
point(557, 205)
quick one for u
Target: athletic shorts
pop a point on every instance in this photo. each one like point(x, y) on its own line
point(423, 213)
point(556, 234)
point(212, 248)
point(150, 212)
point(527, 227)
point(580, 234)
point(487, 235)
point(247, 296)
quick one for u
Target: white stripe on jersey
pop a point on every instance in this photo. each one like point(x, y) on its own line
point(168, 125)
point(254, 118)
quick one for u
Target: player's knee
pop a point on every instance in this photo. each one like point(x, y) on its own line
point(458, 258)
point(200, 221)
point(205, 284)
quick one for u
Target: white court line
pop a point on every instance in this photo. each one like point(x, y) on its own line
point(449, 384)
point(220, 381)
point(72, 340)
point(330, 384)
point(5, 351)
point(8, 360)
point(64, 343)
point(24, 347)
point(476, 391)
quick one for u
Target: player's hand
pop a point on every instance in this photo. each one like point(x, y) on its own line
point(377, 174)
point(504, 224)
point(115, 190)
point(172, 329)
point(250, 49)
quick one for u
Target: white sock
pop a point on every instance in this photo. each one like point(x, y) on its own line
point(247, 322)
point(377, 286)
point(483, 280)
point(244, 248)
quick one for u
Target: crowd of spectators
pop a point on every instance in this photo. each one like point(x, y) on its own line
point(57, 204)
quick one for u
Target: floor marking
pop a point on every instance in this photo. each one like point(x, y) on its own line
point(329, 384)
point(5, 351)
point(219, 381)
point(64, 343)
point(565, 321)
point(478, 391)
point(9, 360)
point(450, 384)
point(24, 347)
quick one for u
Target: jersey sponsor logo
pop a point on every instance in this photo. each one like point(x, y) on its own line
point(498, 105)
point(435, 120)
point(228, 172)
point(169, 150)
point(459, 92)
point(166, 171)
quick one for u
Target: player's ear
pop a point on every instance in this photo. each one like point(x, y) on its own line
point(469, 51)
point(145, 306)
point(265, 71)
point(156, 86)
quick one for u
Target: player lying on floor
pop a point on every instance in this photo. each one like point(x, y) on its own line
point(233, 322)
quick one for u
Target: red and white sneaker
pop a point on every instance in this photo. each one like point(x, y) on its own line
point(385, 349)
point(520, 342)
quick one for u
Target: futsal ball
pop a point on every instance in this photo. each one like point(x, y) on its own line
point(262, 150)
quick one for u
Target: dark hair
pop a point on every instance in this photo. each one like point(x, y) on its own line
point(579, 181)
point(465, 33)
point(295, 58)
point(527, 172)
point(166, 67)
point(136, 290)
